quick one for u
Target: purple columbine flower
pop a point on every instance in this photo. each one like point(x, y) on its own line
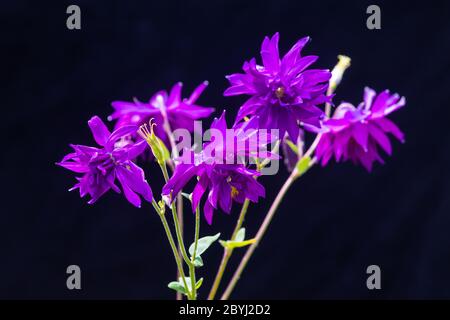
point(355, 133)
point(222, 182)
point(283, 93)
point(180, 113)
point(101, 166)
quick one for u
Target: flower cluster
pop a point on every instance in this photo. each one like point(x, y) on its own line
point(288, 100)
point(285, 95)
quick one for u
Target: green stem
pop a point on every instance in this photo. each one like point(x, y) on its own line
point(181, 222)
point(172, 244)
point(194, 254)
point(262, 230)
point(228, 252)
point(338, 71)
point(164, 171)
point(173, 145)
point(183, 249)
point(240, 219)
point(197, 230)
point(179, 237)
point(178, 231)
point(258, 237)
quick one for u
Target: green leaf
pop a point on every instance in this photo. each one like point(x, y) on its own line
point(236, 244)
point(178, 287)
point(198, 261)
point(291, 145)
point(239, 241)
point(203, 244)
point(303, 165)
point(199, 283)
point(240, 235)
point(188, 282)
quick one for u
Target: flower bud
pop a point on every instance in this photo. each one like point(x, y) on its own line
point(159, 150)
point(338, 71)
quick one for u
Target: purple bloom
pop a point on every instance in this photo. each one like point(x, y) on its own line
point(283, 93)
point(101, 166)
point(355, 133)
point(179, 112)
point(222, 182)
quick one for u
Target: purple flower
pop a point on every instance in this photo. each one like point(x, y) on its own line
point(101, 166)
point(356, 133)
point(180, 113)
point(283, 93)
point(223, 182)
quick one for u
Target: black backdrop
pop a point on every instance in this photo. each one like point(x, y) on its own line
point(334, 222)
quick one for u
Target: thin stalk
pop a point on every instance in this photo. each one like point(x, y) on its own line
point(194, 253)
point(228, 252)
point(262, 230)
point(328, 105)
point(337, 73)
point(172, 243)
point(313, 146)
point(183, 250)
point(179, 237)
point(164, 171)
point(173, 145)
point(197, 231)
point(181, 221)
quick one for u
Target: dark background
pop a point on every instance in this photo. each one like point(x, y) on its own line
point(334, 222)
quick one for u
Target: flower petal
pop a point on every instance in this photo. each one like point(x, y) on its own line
point(197, 92)
point(132, 177)
point(175, 95)
point(183, 173)
point(130, 195)
point(269, 53)
point(381, 138)
point(136, 149)
point(208, 211)
point(290, 58)
point(225, 198)
point(199, 190)
point(360, 133)
point(119, 133)
point(389, 126)
point(99, 130)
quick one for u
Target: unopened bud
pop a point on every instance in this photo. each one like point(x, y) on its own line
point(158, 147)
point(338, 71)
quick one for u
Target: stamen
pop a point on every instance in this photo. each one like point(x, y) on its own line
point(234, 192)
point(146, 131)
point(279, 92)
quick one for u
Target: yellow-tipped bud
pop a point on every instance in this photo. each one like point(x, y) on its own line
point(338, 71)
point(158, 147)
